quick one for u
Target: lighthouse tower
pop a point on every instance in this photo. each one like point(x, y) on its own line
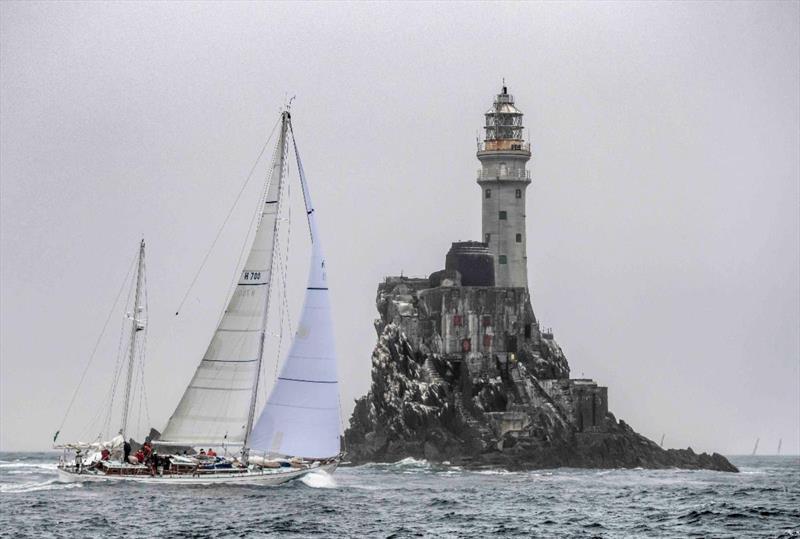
point(503, 179)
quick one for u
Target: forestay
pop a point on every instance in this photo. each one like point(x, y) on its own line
point(214, 409)
point(301, 417)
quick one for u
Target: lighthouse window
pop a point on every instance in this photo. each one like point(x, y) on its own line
point(519, 238)
point(488, 193)
point(518, 193)
point(502, 259)
point(503, 216)
point(503, 169)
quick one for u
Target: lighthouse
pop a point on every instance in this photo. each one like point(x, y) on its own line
point(503, 179)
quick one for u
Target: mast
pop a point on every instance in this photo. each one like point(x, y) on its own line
point(135, 329)
point(302, 414)
point(265, 318)
point(755, 448)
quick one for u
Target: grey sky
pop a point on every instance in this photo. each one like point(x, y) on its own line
point(663, 219)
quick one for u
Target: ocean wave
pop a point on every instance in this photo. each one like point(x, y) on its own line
point(497, 471)
point(320, 479)
point(41, 466)
point(408, 463)
point(411, 461)
point(34, 486)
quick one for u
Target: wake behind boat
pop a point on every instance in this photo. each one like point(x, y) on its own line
point(297, 431)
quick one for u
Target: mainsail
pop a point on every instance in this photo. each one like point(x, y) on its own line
point(216, 407)
point(301, 417)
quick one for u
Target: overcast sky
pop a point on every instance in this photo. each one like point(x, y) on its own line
point(662, 219)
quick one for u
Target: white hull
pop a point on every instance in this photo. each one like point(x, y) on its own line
point(265, 478)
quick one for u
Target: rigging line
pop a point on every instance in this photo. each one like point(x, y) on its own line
point(277, 229)
point(302, 174)
point(139, 413)
point(144, 342)
point(283, 259)
point(143, 389)
point(225, 221)
point(143, 356)
point(122, 350)
point(94, 350)
point(283, 262)
point(98, 416)
point(285, 311)
point(251, 230)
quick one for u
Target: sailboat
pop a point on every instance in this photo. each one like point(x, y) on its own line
point(297, 431)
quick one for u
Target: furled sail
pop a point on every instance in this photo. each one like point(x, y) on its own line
point(301, 416)
point(214, 409)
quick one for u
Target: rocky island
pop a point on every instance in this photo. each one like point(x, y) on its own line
point(462, 371)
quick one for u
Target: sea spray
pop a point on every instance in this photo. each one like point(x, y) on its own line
point(320, 479)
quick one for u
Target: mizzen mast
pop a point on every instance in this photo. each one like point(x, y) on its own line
point(137, 326)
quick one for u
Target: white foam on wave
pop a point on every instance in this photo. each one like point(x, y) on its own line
point(42, 466)
point(320, 479)
point(499, 471)
point(20, 488)
point(411, 461)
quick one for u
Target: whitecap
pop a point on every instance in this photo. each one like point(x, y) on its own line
point(320, 479)
point(411, 461)
point(42, 466)
point(19, 488)
point(498, 471)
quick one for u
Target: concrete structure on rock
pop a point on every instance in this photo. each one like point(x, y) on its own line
point(473, 321)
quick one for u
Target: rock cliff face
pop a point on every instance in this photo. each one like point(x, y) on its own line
point(465, 374)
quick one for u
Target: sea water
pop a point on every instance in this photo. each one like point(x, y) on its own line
point(413, 498)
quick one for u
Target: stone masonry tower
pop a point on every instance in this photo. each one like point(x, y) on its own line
point(503, 179)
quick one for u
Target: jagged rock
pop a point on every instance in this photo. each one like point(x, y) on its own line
point(465, 375)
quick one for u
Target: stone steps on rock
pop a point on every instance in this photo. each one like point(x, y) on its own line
point(430, 371)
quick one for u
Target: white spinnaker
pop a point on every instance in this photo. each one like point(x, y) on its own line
point(301, 416)
point(214, 409)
